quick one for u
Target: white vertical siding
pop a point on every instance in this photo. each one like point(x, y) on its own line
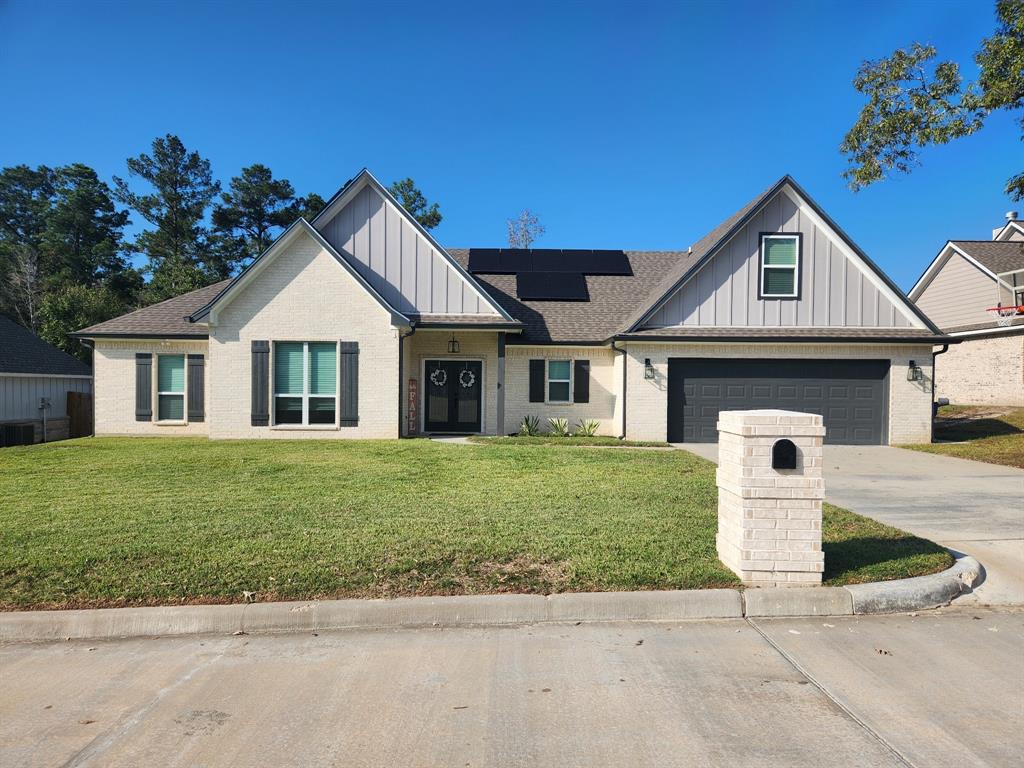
point(19, 395)
point(834, 291)
point(397, 260)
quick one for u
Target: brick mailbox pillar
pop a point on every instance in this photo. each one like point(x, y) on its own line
point(769, 515)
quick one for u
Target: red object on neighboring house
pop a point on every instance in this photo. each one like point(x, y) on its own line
point(413, 410)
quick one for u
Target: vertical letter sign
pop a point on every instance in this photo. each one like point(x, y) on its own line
point(413, 414)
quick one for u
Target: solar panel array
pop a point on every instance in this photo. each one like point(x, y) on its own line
point(551, 286)
point(549, 274)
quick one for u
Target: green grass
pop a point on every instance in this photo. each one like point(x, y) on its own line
point(598, 440)
point(981, 433)
point(122, 521)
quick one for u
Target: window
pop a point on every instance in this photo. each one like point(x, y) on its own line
point(780, 263)
point(170, 388)
point(305, 382)
point(559, 372)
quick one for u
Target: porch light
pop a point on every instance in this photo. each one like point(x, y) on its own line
point(914, 372)
point(648, 368)
point(453, 345)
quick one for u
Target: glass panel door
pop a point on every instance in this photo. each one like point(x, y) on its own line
point(453, 393)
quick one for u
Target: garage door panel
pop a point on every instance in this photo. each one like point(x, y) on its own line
point(851, 395)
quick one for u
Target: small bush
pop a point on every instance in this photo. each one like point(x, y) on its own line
point(587, 428)
point(530, 426)
point(559, 427)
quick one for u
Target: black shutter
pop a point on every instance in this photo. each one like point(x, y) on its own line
point(196, 387)
point(581, 381)
point(143, 386)
point(260, 383)
point(349, 380)
point(536, 381)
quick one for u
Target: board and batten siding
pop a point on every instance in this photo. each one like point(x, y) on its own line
point(19, 395)
point(397, 260)
point(958, 294)
point(834, 292)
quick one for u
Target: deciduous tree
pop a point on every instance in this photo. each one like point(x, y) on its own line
point(524, 229)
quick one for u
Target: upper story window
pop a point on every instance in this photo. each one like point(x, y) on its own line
point(305, 382)
point(780, 266)
point(559, 378)
point(170, 388)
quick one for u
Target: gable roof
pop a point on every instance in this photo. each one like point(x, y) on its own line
point(364, 178)
point(21, 351)
point(164, 320)
point(708, 246)
point(612, 299)
point(1009, 229)
point(997, 257)
point(256, 265)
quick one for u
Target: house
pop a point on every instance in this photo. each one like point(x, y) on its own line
point(359, 324)
point(974, 290)
point(35, 379)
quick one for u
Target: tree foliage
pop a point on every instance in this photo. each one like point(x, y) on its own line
point(412, 199)
point(74, 306)
point(524, 230)
point(253, 211)
point(915, 102)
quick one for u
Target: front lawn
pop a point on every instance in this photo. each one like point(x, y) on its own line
point(982, 433)
point(134, 521)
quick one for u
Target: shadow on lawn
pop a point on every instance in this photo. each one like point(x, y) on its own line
point(881, 558)
point(959, 430)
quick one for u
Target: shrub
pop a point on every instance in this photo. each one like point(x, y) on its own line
point(559, 427)
point(530, 426)
point(587, 428)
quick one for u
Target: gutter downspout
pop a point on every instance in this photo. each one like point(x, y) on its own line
point(623, 351)
point(401, 371)
point(945, 348)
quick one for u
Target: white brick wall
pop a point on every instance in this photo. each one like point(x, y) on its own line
point(769, 520)
point(303, 295)
point(114, 370)
point(982, 371)
point(909, 402)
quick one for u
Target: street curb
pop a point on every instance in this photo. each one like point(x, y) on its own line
point(492, 610)
point(920, 593)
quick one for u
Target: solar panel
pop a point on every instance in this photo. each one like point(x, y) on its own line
point(551, 286)
point(512, 261)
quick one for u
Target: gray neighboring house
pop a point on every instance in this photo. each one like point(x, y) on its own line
point(33, 373)
point(961, 290)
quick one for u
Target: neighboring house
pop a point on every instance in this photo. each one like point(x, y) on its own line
point(359, 324)
point(974, 290)
point(35, 379)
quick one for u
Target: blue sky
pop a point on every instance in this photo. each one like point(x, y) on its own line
point(635, 125)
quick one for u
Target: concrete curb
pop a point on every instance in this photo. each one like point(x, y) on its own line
point(492, 610)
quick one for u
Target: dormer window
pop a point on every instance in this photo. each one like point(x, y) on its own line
point(780, 266)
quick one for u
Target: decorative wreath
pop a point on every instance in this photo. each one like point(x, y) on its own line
point(467, 378)
point(439, 377)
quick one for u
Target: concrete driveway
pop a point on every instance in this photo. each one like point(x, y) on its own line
point(965, 505)
point(939, 689)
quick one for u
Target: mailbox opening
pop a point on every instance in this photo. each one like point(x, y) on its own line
point(784, 454)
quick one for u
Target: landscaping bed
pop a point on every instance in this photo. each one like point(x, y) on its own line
point(598, 440)
point(159, 521)
point(982, 433)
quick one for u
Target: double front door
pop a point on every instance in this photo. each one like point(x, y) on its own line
point(453, 389)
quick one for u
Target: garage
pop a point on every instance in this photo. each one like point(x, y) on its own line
point(851, 395)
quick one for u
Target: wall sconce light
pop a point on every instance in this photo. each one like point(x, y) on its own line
point(648, 368)
point(914, 372)
point(453, 345)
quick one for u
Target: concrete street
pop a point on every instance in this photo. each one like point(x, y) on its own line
point(967, 506)
point(939, 689)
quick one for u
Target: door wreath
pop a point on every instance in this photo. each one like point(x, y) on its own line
point(467, 378)
point(439, 377)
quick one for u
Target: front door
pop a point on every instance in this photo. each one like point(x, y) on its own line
point(452, 390)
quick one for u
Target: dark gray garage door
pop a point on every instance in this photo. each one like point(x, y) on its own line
point(852, 395)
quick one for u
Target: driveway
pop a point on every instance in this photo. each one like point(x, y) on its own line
point(968, 506)
point(939, 689)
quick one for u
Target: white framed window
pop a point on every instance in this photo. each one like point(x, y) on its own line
point(306, 382)
point(559, 381)
point(780, 266)
point(170, 388)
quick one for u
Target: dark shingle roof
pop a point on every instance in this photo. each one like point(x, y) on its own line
point(997, 257)
point(164, 319)
point(21, 351)
point(612, 299)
